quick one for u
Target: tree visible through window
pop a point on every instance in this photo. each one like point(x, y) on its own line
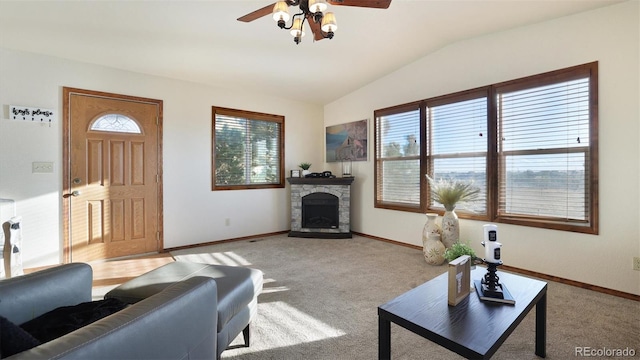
point(247, 150)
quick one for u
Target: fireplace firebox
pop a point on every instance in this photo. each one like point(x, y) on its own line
point(320, 211)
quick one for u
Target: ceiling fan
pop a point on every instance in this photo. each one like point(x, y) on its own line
point(322, 24)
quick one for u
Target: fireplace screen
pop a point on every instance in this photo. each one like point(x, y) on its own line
point(320, 211)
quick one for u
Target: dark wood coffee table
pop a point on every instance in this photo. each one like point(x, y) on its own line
point(473, 329)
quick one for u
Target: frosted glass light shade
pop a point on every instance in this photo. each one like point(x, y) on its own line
point(329, 22)
point(281, 11)
point(317, 5)
point(296, 29)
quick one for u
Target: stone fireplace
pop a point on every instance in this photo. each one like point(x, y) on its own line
point(320, 207)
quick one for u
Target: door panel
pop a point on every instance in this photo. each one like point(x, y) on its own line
point(114, 176)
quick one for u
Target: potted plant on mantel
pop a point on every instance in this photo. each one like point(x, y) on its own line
point(449, 193)
point(305, 168)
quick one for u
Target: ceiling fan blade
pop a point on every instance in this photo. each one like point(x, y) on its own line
point(318, 34)
point(378, 4)
point(257, 14)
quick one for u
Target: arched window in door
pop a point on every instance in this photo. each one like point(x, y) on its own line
point(116, 123)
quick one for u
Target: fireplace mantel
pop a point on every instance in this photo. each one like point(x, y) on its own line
point(338, 187)
point(322, 181)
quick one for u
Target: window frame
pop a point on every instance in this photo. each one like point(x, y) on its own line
point(379, 160)
point(429, 158)
point(250, 116)
point(590, 226)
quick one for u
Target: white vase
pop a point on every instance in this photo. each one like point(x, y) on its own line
point(450, 228)
point(305, 172)
point(433, 249)
point(431, 226)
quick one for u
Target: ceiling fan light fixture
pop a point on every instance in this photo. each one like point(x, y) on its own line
point(322, 23)
point(281, 12)
point(329, 23)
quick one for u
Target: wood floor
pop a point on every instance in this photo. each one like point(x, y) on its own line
point(115, 272)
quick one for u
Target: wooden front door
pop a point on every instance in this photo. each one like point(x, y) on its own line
point(112, 175)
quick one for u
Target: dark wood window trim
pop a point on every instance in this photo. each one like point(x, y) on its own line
point(382, 159)
point(588, 225)
point(493, 185)
point(250, 116)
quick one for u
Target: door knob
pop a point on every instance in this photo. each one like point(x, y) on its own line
point(77, 181)
point(73, 193)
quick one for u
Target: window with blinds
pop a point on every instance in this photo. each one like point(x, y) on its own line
point(247, 150)
point(457, 138)
point(529, 144)
point(398, 174)
point(545, 148)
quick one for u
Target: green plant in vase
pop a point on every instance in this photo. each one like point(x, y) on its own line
point(305, 167)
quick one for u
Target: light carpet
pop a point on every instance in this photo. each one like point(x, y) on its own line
point(321, 297)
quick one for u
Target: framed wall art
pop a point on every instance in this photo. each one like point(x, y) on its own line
point(347, 142)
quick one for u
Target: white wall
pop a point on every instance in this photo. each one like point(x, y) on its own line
point(192, 212)
point(611, 36)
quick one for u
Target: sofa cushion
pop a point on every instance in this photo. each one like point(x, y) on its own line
point(14, 339)
point(237, 286)
point(65, 319)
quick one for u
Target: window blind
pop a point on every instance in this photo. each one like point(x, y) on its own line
point(530, 145)
point(544, 150)
point(458, 146)
point(246, 149)
point(398, 157)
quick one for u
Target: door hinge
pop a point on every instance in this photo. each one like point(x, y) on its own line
point(157, 178)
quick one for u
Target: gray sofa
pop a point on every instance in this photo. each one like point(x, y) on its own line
point(154, 328)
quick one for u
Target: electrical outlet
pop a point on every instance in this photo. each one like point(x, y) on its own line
point(227, 222)
point(636, 263)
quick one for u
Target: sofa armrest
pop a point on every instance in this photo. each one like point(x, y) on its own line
point(25, 297)
point(178, 323)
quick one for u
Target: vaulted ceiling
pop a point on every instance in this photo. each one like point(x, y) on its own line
point(201, 41)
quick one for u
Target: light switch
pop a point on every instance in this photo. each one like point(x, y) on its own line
point(42, 167)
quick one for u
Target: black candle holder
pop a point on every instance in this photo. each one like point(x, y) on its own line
point(491, 286)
